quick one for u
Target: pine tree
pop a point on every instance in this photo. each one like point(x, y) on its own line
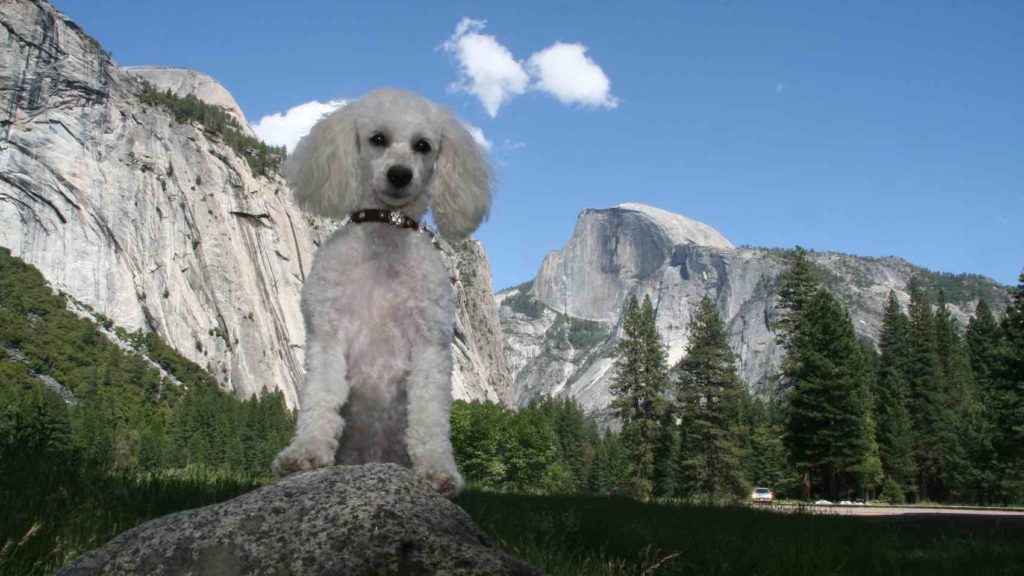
point(530, 450)
point(797, 286)
point(655, 358)
point(892, 418)
point(612, 473)
point(982, 341)
point(38, 464)
point(637, 390)
point(766, 462)
point(571, 429)
point(666, 460)
point(964, 482)
point(869, 473)
point(828, 401)
point(1008, 398)
point(932, 417)
point(708, 398)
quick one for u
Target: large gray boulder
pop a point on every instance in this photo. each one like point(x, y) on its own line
point(372, 519)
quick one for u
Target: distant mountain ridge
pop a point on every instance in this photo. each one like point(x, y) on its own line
point(632, 249)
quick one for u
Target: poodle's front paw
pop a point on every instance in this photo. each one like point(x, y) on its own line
point(299, 458)
point(447, 482)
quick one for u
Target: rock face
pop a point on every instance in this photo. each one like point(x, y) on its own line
point(161, 226)
point(371, 519)
point(609, 251)
point(183, 82)
point(481, 372)
point(637, 250)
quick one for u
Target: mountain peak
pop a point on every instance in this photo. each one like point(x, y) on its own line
point(680, 229)
point(185, 81)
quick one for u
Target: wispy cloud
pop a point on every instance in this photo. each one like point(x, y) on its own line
point(487, 69)
point(780, 87)
point(478, 136)
point(564, 71)
point(286, 129)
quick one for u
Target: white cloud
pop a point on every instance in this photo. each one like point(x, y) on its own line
point(478, 136)
point(564, 71)
point(487, 69)
point(288, 128)
point(780, 87)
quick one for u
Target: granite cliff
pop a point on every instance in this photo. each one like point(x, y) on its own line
point(162, 226)
point(561, 327)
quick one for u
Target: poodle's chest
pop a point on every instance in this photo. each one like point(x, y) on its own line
point(384, 279)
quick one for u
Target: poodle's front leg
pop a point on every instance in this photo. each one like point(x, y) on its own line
point(319, 422)
point(429, 389)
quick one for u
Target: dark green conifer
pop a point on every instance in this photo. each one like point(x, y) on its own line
point(667, 458)
point(708, 398)
point(1008, 398)
point(828, 400)
point(612, 473)
point(891, 402)
point(638, 389)
point(982, 341)
point(797, 286)
point(929, 407)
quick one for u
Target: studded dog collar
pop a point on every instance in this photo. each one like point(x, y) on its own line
point(393, 217)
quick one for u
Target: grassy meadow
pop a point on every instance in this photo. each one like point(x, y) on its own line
point(40, 535)
point(595, 535)
point(578, 535)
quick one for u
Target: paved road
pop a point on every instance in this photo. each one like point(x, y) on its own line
point(896, 510)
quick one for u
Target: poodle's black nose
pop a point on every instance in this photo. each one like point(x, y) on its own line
point(399, 176)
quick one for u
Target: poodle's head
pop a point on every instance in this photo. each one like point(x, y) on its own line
point(393, 150)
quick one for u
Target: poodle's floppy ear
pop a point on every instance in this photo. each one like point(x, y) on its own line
point(462, 182)
point(324, 168)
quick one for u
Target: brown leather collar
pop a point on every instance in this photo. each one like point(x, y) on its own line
point(393, 217)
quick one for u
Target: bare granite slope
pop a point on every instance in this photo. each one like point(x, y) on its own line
point(638, 250)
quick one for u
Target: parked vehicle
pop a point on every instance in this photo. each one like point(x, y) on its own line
point(762, 495)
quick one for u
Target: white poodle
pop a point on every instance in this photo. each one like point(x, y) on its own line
point(378, 304)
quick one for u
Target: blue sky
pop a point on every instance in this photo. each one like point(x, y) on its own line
point(872, 127)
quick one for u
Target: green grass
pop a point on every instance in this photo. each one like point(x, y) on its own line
point(581, 535)
point(600, 535)
point(97, 509)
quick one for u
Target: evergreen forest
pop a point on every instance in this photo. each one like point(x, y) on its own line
point(933, 414)
point(95, 433)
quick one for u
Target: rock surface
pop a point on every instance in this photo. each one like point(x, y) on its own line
point(161, 226)
point(184, 82)
point(480, 371)
point(637, 250)
point(371, 519)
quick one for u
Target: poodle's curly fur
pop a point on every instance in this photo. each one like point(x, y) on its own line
point(378, 304)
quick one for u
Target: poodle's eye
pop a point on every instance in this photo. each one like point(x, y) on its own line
point(421, 146)
point(378, 140)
